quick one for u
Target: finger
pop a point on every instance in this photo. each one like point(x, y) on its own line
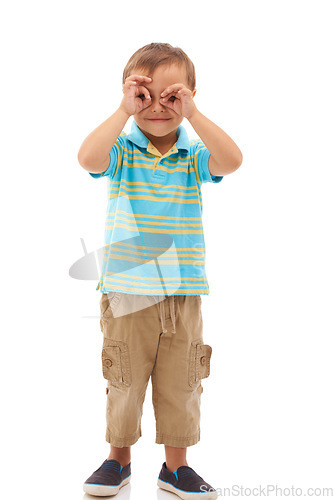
point(172, 88)
point(132, 83)
point(138, 78)
point(185, 92)
point(144, 91)
point(168, 98)
point(128, 85)
point(167, 103)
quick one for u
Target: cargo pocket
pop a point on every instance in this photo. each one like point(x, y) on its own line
point(116, 362)
point(199, 364)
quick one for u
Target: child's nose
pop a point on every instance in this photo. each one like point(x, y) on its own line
point(156, 104)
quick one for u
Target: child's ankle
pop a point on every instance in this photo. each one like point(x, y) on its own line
point(173, 466)
point(122, 455)
point(122, 461)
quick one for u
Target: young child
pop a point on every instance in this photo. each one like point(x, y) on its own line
point(153, 272)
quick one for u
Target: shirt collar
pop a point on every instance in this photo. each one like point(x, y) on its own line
point(137, 137)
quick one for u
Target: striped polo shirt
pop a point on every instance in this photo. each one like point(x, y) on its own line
point(154, 239)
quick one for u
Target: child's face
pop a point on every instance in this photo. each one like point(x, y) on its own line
point(162, 77)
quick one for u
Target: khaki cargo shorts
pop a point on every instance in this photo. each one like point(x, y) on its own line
point(157, 337)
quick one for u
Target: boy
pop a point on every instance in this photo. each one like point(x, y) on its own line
point(153, 272)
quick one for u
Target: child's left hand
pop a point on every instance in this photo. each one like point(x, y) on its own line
point(183, 103)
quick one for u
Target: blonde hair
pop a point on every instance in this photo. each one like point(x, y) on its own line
point(153, 55)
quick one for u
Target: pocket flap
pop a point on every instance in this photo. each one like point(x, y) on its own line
point(203, 355)
point(111, 363)
point(199, 366)
point(116, 362)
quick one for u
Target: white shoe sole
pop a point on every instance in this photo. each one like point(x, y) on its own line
point(205, 495)
point(101, 490)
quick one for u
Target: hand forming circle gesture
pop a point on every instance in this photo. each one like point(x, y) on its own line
point(182, 103)
point(132, 89)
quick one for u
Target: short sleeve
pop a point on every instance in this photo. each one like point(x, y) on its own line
point(201, 163)
point(116, 158)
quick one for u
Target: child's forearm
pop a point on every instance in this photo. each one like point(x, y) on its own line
point(222, 148)
point(94, 151)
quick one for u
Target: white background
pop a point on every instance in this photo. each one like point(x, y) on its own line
point(264, 75)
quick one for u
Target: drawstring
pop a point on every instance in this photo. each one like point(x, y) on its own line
point(162, 315)
point(172, 313)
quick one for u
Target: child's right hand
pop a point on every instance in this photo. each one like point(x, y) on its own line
point(131, 102)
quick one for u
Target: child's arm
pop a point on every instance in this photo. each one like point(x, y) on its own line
point(225, 156)
point(94, 151)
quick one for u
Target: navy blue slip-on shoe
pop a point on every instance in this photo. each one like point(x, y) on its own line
point(185, 483)
point(107, 479)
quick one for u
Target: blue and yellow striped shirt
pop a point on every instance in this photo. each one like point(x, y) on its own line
point(154, 239)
